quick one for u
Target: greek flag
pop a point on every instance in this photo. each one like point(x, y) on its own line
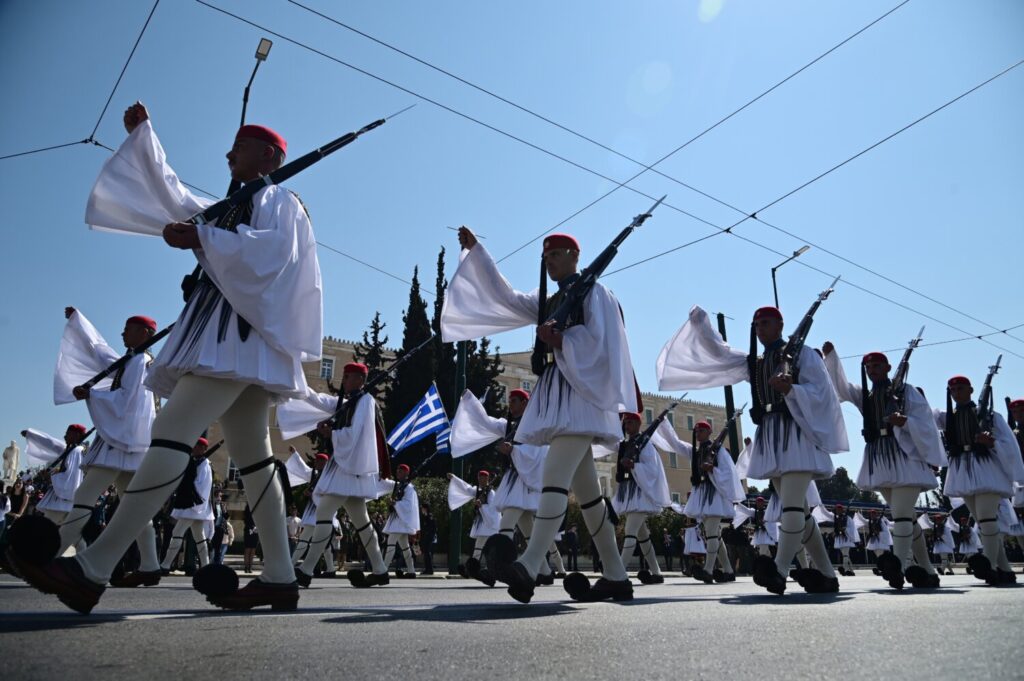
point(427, 418)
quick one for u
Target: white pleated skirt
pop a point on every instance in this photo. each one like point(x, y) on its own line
point(706, 501)
point(334, 481)
point(52, 502)
point(886, 465)
point(512, 492)
point(556, 409)
point(970, 474)
point(629, 498)
point(779, 447)
point(103, 455)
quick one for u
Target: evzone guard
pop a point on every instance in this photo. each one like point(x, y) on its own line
point(350, 478)
point(253, 317)
point(310, 475)
point(403, 519)
point(765, 534)
point(518, 491)
point(581, 357)
point(844, 534)
point(984, 467)
point(122, 409)
point(191, 507)
point(941, 527)
point(486, 521)
point(799, 424)
point(642, 491)
point(902, 450)
point(64, 474)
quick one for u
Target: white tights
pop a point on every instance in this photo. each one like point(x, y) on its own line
point(326, 508)
point(178, 541)
point(243, 411)
point(570, 463)
point(798, 528)
point(96, 480)
point(513, 517)
point(401, 541)
point(984, 508)
point(637, 532)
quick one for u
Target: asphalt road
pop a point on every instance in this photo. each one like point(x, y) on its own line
point(454, 630)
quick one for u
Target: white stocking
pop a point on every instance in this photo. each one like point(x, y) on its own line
point(556, 557)
point(712, 538)
point(357, 513)
point(792, 489)
point(901, 500)
point(202, 544)
point(723, 558)
point(634, 521)
point(984, 508)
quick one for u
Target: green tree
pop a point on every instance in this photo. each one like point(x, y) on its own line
point(373, 352)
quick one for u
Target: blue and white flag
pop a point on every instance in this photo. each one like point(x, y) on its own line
point(427, 417)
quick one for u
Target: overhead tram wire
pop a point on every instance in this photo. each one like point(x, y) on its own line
point(576, 133)
point(123, 70)
point(577, 165)
point(91, 139)
point(945, 342)
point(651, 167)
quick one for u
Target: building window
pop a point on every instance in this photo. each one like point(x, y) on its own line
point(711, 422)
point(526, 385)
point(648, 415)
point(675, 497)
point(671, 418)
point(673, 461)
point(689, 421)
point(327, 368)
point(233, 474)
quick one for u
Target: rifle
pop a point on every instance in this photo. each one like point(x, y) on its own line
point(629, 450)
point(986, 411)
point(347, 405)
point(710, 457)
point(121, 361)
point(577, 292)
point(59, 461)
point(791, 351)
point(288, 170)
point(399, 490)
point(897, 388)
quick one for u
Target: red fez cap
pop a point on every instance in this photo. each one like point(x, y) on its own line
point(702, 424)
point(355, 368)
point(78, 428)
point(631, 416)
point(521, 394)
point(264, 134)
point(1017, 404)
point(484, 473)
point(873, 511)
point(767, 313)
point(203, 441)
point(143, 320)
point(759, 499)
point(554, 241)
point(959, 380)
point(875, 357)
point(937, 516)
point(403, 467)
point(321, 455)
point(840, 506)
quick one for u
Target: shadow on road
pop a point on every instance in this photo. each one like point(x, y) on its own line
point(791, 598)
point(461, 614)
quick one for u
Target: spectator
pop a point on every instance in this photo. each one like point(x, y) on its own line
point(571, 541)
point(666, 544)
point(18, 496)
point(428, 535)
point(294, 524)
point(251, 541)
point(220, 521)
point(229, 539)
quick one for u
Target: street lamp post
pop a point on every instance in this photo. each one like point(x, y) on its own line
point(455, 519)
point(796, 254)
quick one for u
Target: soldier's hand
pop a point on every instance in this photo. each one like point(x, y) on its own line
point(985, 439)
point(80, 392)
point(898, 420)
point(781, 384)
point(451, 475)
point(68, 311)
point(827, 349)
point(504, 448)
point(134, 116)
point(181, 235)
point(549, 334)
point(324, 429)
point(466, 238)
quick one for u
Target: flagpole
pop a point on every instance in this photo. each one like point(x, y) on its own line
point(455, 519)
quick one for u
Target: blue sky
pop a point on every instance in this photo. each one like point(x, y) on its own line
point(935, 208)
